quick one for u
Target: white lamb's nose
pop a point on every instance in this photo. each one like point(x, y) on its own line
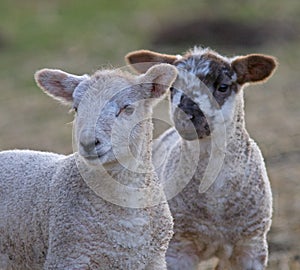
point(88, 142)
point(88, 147)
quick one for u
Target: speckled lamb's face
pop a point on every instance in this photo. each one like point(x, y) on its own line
point(220, 79)
point(223, 77)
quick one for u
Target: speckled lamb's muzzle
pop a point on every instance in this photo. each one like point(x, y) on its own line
point(189, 120)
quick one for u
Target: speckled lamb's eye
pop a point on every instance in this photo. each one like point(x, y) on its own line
point(223, 88)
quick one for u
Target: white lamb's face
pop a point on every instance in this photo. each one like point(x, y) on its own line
point(112, 108)
point(109, 116)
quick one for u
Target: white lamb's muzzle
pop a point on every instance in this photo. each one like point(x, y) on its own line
point(99, 158)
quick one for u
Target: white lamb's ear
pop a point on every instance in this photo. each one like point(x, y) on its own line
point(142, 60)
point(58, 84)
point(161, 77)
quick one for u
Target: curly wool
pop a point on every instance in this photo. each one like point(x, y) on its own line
point(50, 215)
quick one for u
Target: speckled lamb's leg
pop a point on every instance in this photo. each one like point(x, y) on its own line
point(181, 254)
point(54, 263)
point(50, 266)
point(250, 256)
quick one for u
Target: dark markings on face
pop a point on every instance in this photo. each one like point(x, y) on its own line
point(217, 75)
point(213, 71)
point(188, 112)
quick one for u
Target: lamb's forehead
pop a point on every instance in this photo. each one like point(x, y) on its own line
point(206, 54)
point(105, 85)
point(201, 68)
point(108, 80)
point(206, 62)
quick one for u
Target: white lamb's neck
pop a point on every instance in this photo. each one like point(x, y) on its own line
point(130, 178)
point(135, 171)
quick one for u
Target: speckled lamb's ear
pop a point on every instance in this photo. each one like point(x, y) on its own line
point(58, 84)
point(161, 77)
point(142, 60)
point(254, 68)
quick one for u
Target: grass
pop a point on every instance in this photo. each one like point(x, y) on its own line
point(81, 36)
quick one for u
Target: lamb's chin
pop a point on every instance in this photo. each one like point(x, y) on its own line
point(192, 135)
point(98, 161)
point(188, 136)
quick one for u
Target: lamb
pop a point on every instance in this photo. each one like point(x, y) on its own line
point(100, 207)
point(232, 215)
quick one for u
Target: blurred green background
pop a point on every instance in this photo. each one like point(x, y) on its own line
point(82, 36)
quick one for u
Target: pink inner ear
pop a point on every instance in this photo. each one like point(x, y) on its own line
point(157, 90)
point(57, 83)
point(149, 56)
point(154, 90)
point(60, 90)
point(57, 86)
point(143, 60)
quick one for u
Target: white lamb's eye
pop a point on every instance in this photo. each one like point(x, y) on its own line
point(127, 109)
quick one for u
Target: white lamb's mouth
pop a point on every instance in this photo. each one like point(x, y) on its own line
point(91, 157)
point(99, 156)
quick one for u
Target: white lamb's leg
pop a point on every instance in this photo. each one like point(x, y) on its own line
point(158, 263)
point(181, 254)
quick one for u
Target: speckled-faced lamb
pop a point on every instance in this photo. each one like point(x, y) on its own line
point(230, 217)
point(93, 209)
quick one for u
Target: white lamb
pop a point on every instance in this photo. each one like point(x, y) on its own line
point(230, 220)
point(62, 212)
